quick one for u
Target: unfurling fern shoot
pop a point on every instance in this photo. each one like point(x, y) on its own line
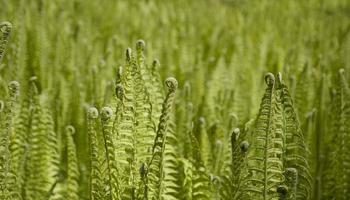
point(72, 166)
point(106, 114)
point(5, 29)
point(155, 174)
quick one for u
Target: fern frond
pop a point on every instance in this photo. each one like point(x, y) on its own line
point(72, 166)
point(36, 182)
point(156, 91)
point(156, 164)
point(5, 29)
point(336, 172)
point(265, 156)
point(296, 153)
point(184, 121)
point(200, 179)
point(292, 182)
point(96, 167)
point(205, 146)
point(235, 175)
point(124, 125)
point(8, 180)
point(52, 148)
point(107, 127)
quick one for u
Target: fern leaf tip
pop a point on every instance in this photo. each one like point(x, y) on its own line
point(269, 79)
point(93, 113)
point(106, 113)
point(282, 189)
point(119, 91)
point(171, 83)
point(70, 129)
point(128, 54)
point(5, 26)
point(244, 146)
point(14, 87)
point(140, 45)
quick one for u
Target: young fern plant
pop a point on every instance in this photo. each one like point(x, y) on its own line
point(129, 157)
point(277, 159)
point(97, 172)
point(8, 180)
point(72, 185)
point(265, 164)
point(336, 175)
point(5, 29)
point(156, 165)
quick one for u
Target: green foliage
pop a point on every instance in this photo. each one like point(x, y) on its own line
point(77, 121)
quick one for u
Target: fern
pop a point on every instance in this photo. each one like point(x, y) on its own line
point(72, 166)
point(156, 174)
point(5, 29)
point(106, 114)
point(265, 157)
point(132, 139)
point(200, 179)
point(296, 152)
point(8, 183)
point(37, 183)
point(96, 166)
point(336, 179)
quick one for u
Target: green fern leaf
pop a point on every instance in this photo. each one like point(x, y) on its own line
point(72, 166)
point(265, 156)
point(156, 164)
point(5, 29)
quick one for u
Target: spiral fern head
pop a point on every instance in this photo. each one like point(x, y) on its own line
point(33, 79)
point(106, 113)
point(235, 133)
point(119, 91)
point(128, 54)
point(70, 129)
point(93, 113)
point(14, 88)
point(171, 83)
point(279, 77)
point(143, 169)
point(201, 121)
point(5, 29)
point(155, 65)
point(291, 173)
point(4, 26)
point(269, 79)
point(140, 45)
point(120, 70)
point(282, 190)
point(244, 146)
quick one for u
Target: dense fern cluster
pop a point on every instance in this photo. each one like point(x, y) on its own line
point(77, 121)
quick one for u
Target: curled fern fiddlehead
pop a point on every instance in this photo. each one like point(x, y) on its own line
point(291, 175)
point(244, 146)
